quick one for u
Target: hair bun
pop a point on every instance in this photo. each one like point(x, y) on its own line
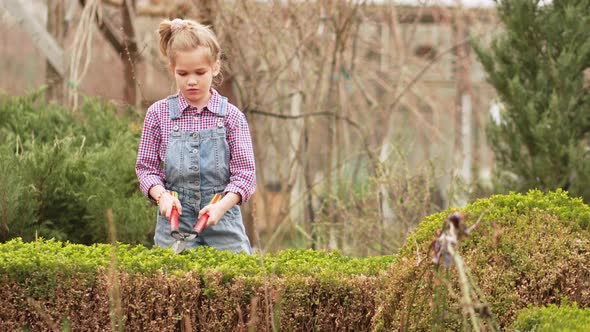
point(178, 24)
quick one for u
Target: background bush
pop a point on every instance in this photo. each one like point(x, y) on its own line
point(60, 171)
point(537, 65)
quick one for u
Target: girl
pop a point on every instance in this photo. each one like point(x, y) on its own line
point(202, 141)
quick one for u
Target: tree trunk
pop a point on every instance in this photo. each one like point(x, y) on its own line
point(463, 151)
point(56, 27)
point(129, 55)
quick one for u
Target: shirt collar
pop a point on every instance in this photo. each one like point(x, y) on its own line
point(212, 106)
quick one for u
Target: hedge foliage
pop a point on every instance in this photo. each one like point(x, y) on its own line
point(61, 170)
point(565, 318)
point(55, 259)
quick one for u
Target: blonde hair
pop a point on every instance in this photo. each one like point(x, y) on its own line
point(183, 35)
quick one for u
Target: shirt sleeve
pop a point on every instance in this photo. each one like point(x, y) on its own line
point(147, 166)
point(241, 165)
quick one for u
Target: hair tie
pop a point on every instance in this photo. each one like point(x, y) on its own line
point(177, 24)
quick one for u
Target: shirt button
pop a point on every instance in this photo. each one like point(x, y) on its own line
point(219, 124)
point(196, 118)
point(195, 150)
point(175, 128)
point(195, 135)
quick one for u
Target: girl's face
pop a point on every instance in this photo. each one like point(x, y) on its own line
point(194, 72)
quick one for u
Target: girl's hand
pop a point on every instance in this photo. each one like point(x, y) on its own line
point(167, 202)
point(215, 212)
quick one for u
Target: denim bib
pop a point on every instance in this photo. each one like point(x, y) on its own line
point(197, 167)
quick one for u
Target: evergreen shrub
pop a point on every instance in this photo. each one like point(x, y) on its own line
point(537, 64)
point(61, 170)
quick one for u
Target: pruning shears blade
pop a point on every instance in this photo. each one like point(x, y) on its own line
point(178, 246)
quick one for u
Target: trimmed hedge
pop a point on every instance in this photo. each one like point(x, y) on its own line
point(50, 282)
point(553, 318)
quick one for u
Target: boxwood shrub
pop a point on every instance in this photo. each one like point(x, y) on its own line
point(528, 249)
point(552, 318)
point(47, 283)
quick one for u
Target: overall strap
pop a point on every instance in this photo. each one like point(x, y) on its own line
point(222, 107)
point(173, 107)
point(221, 114)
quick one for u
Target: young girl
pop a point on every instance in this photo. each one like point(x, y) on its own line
point(202, 141)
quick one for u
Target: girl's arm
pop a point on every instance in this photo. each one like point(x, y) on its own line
point(242, 166)
point(147, 166)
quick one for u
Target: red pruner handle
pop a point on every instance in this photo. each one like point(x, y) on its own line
point(174, 220)
point(201, 224)
point(174, 228)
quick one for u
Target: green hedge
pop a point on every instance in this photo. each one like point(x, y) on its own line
point(48, 258)
point(552, 318)
point(50, 282)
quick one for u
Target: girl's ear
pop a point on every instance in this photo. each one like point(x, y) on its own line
point(216, 68)
point(171, 66)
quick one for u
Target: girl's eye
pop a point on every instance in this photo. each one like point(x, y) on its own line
point(181, 74)
point(201, 73)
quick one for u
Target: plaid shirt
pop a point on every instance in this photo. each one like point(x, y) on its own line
point(158, 125)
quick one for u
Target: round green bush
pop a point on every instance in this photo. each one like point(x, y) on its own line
point(526, 250)
point(552, 318)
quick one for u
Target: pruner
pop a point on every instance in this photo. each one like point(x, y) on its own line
point(182, 237)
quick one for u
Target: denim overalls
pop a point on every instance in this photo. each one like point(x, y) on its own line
point(197, 167)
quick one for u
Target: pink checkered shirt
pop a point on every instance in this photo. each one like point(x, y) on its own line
point(154, 141)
